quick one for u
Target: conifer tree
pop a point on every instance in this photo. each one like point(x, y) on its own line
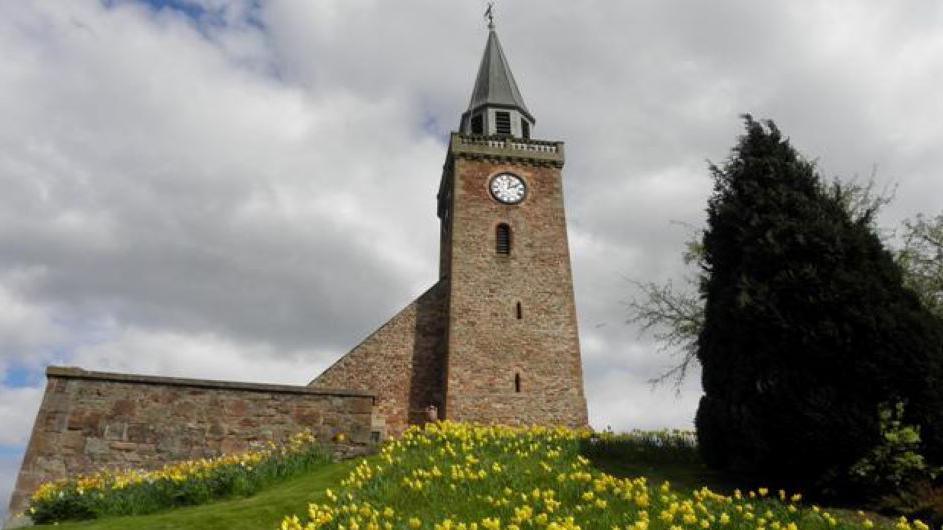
point(808, 330)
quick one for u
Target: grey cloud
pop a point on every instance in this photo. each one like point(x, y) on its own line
point(159, 208)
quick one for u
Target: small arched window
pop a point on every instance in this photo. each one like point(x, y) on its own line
point(503, 239)
point(517, 383)
point(520, 311)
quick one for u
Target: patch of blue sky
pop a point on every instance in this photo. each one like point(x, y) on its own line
point(11, 452)
point(203, 17)
point(18, 376)
point(431, 126)
point(249, 12)
point(191, 9)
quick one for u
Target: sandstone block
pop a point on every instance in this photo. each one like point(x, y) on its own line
point(96, 446)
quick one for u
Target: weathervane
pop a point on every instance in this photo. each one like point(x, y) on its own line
point(489, 14)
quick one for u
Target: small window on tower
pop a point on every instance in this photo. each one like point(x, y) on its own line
point(503, 239)
point(502, 123)
point(520, 311)
point(517, 383)
point(477, 125)
point(525, 129)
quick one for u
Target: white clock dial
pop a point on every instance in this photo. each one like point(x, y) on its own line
point(508, 188)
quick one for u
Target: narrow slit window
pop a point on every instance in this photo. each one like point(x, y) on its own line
point(477, 125)
point(502, 123)
point(517, 383)
point(503, 239)
point(525, 129)
point(520, 311)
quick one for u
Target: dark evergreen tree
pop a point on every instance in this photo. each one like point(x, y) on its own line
point(807, 326)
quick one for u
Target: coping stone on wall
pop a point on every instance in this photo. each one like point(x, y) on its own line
point(70, 372)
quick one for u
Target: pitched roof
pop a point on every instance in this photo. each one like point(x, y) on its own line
point(495, 84)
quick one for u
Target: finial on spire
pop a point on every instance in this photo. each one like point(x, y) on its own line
point(489, 14)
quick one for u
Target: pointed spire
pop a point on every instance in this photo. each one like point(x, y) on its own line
point(495, 84)
point(495, 88)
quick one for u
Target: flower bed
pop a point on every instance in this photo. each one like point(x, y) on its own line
point(185, 483)
point(460, 477)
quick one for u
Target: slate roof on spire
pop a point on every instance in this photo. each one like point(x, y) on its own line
point(495, 84)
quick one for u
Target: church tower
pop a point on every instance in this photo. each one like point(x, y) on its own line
point(513, 353)
point(495, 339)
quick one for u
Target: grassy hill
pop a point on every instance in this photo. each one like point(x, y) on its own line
point(460, 477)
point(264, 510)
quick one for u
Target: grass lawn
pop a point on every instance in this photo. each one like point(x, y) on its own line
point(490, 467)
point(266, 509)
point(259, 512)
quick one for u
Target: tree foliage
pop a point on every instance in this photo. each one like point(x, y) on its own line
point(807, 326)
point(674, 313)
point(921, 257)
point(895, 462)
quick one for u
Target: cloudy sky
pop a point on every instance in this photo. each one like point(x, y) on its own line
point(243, 190)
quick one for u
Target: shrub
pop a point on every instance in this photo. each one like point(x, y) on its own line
point(896, 461)
point(807, 325)
point(652, 447)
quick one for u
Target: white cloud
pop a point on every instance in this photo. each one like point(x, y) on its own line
point(207, 356)
point(18, 407)
point(27, 330)
point(624, 401)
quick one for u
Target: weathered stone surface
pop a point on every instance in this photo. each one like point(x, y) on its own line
point(96, 446)
point(18, 521)
point(90, 421)
point(504, 366)
point(402, 362)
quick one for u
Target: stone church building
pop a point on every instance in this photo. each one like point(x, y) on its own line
point(494, 340)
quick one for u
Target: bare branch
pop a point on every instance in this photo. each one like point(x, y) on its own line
point(674, 317)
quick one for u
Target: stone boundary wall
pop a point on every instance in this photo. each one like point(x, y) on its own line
point(90, 421)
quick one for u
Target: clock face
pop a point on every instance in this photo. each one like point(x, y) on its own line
point(508, 188)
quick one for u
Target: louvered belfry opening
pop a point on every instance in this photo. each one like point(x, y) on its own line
point(477, 125)
point(502, 123)
point(503, 240)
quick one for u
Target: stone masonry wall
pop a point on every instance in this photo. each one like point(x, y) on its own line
point(402, 362)
point(90, 421)
point(489, 346)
